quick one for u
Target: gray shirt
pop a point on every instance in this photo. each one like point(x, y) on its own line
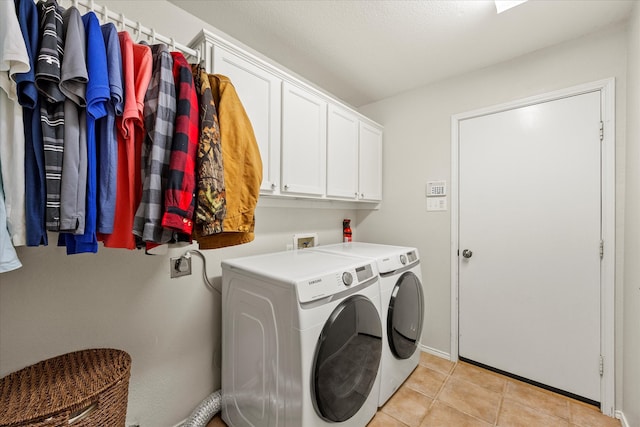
point(73, 84)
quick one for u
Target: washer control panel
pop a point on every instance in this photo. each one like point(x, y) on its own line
point(333, 283)
point(347, 278)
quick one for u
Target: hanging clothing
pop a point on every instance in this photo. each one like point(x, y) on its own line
point(159, 119)
point(97, 96)
point(35, 190)
point(14, 59)
point(8, 257)
point(136, 67)
point(48, 76)
point(179, 194)
point(242, 167)
point(107, 138)
point(211, 205)
point(73, 83)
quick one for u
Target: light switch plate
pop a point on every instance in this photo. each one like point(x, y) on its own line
point(436, 204)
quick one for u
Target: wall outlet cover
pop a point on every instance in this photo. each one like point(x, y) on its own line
point(305, 240)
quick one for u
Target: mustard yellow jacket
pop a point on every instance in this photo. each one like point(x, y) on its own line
point(242, 167)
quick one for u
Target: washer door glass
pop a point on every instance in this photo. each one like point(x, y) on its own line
point(404, 319)
point(347, 359)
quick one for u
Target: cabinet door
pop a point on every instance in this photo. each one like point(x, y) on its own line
point(342, 153)
point(370, 173)
point(259, 91)
point(304, 141)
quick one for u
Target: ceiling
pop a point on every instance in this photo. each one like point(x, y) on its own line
point(363, 51)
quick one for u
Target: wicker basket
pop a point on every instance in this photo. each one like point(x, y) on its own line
point(79, 389)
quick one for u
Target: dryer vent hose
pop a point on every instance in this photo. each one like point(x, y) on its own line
point(205, 410)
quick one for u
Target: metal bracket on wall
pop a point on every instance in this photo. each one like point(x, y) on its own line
point(180, 266)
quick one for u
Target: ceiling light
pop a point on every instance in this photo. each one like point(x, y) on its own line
point(502, 5)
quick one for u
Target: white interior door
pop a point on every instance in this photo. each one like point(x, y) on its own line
point(530, 213)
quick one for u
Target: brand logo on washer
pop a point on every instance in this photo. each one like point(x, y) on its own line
point(313, 282)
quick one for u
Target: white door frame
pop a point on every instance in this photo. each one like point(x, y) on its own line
point(607, 271)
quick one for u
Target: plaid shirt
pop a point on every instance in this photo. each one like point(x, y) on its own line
point(179, 194)
point(159, 119)
point(211, 205)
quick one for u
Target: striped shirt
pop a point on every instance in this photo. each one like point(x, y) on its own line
point(48, 71)
point(179, 194)
point(159, 119)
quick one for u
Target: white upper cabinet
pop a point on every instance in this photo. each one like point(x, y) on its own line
point(312, 145)
point(259, 90)
point(342, 153)
point(370, 164)
point(304, 141)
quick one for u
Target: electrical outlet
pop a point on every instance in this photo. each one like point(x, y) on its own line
point(180, 266)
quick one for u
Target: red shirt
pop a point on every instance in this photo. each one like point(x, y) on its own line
point(136, 70)
point(181, 184)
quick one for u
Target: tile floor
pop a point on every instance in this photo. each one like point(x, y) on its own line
point(440, 393)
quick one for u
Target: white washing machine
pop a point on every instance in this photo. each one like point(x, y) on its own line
point(402, 305)
point(301, 340)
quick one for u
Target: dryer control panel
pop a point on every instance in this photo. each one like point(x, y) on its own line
point(397, 261)
point(333, 283)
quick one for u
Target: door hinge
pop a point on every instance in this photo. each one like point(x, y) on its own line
point(601, 365)
point(601, 249)
point(601, 131)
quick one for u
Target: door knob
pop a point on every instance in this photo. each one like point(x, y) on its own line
point(467, 253)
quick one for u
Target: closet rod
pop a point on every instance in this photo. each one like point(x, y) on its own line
point(121, 22)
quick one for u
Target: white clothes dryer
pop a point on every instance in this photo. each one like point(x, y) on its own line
point(301, 340)
point(402, 306)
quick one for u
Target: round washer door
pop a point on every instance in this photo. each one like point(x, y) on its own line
point(404, 318)
point(347, 359)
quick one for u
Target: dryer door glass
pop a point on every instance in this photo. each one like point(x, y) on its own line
point(347, 359)
point(404, 319)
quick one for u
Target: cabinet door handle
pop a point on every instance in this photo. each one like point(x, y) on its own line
point(273, 186)
point(286, 187)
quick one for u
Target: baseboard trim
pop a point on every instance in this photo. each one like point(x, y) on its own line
point(434, 351)
point(623, 420)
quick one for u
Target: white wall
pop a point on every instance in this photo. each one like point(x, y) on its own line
point(631, 346)
point(125, 299)
point(417, 149)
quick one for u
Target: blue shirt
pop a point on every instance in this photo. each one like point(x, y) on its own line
point(107, 142)
point(97, 96)
point(35, 186)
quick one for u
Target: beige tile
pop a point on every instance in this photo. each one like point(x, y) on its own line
point(538, 398)
point(471, 399)
point(589, 416)
point(515, 414)
point(479, 376)
point(442, 415)
point(217, 422)
point(408, 406)
point(436, 363)
point(426, 381)
point(383, 420)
